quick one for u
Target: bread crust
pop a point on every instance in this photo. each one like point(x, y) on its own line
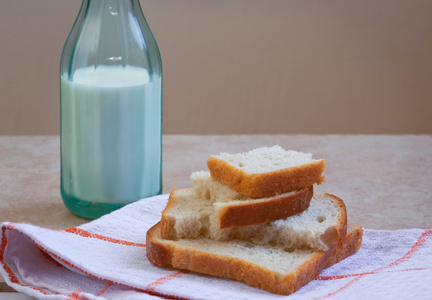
point(267, 210)
point(166, 253)
point(266, 184)
point(341, 230)
point(352, 244)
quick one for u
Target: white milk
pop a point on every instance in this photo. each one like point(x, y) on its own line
point(110, 135)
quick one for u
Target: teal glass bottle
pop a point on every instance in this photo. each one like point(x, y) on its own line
point(110, 109)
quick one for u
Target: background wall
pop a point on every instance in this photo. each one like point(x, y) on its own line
point(245, 66)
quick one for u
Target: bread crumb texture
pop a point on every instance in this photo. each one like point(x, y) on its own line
point(266, 159)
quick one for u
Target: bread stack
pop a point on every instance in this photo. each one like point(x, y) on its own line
point(253, 217)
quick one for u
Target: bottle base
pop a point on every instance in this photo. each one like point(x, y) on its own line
point(89, 210)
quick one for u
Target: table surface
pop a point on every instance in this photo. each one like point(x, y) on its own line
point(384, 180)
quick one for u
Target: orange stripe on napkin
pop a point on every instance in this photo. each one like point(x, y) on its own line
point(417, 245)
point(74, 294)
point(102, 291)
point(365, 273)
point(153, 285)
point(52, 260)
point(84, 233)
point(11, 274)
point(420, 242)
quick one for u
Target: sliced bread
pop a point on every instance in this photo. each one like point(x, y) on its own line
point(231, 208)
point(352, 243)
point(263, 266)
point(266, 172)
point(319, 227)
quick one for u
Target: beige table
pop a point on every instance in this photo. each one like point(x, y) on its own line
point(385, 181)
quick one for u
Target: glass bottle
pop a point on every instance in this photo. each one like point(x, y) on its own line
point(111, 109)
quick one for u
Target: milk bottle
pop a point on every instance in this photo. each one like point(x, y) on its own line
point(111, 109)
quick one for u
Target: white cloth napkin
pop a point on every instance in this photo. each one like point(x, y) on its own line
point(106, 259)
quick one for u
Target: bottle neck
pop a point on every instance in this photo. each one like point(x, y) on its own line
point(111, 7)
point(110, 33)
point(112, 23)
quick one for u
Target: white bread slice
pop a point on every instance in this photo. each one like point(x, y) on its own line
point(266, 172)
point(262, 266)
point(234, 209)
point(319, 227)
